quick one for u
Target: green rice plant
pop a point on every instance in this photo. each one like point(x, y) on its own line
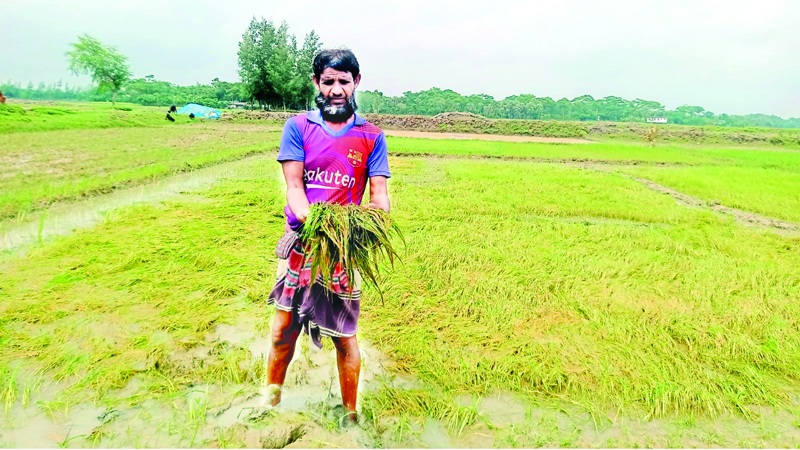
point(417, 403)
point(8, 395)
point(353, 236)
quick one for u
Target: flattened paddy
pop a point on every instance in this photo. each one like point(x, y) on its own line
point(537, 304)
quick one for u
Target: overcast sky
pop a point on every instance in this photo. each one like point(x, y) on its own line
point(733, 56)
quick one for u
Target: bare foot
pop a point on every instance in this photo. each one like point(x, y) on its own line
point(349, 420)
point(272, 394)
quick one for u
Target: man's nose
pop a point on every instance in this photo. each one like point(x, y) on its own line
point(336, 89)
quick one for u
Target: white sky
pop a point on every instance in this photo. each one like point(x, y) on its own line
point(734, 56)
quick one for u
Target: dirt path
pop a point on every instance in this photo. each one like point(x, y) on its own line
point(744, 217)
point(64, 218)
point(577, 161)
point(483, 137)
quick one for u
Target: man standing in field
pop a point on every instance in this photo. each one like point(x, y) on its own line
point(327, 155)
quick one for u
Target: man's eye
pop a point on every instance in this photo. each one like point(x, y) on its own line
point(327, 82)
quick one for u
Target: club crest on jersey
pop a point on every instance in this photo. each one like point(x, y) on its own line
point(354, 158)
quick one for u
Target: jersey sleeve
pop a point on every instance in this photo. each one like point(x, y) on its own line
point(291, 143)
point(378, 161)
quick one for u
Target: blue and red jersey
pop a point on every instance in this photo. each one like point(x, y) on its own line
point(337, 164)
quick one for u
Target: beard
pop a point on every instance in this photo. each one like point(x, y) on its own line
point(335, 113)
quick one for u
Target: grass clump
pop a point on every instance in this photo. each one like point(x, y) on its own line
point(353, 236)
point(388, 402)
point(38, 169)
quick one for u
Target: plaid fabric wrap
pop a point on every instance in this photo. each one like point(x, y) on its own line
point(320, 310)
point(286, 244)
point(299, 272)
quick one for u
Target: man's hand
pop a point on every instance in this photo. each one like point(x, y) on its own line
point(378, 195)
point(295, 190)
point(302, 215)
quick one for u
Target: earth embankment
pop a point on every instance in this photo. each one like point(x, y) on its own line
point(466, 123)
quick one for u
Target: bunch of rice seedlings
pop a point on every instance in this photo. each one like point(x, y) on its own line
point(353, 236)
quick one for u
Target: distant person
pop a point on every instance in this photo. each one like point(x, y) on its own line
point(2, 98)
point(170, 118)
point(191, 115)
point(328, 155)
point(173, 109)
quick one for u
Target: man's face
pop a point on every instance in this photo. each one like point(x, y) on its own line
point(335, 98)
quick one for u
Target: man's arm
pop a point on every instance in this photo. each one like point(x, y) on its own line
point(378, 195)
point(295, 190)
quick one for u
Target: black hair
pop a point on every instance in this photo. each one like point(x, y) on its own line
point(339, 59)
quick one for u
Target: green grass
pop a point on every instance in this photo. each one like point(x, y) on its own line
point(549, 281)
point(509, 285)
point(18, 117)
point(559, 283)
point(41, 168)
point(772, 192)
point(129, 297)
point(766, 182)
point(610, 152)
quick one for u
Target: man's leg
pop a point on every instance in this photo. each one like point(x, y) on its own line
point(348, 358)
point(284, 338)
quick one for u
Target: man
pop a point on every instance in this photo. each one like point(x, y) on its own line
point(327, 155)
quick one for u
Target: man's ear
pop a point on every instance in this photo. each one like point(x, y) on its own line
point(316, 83)
point(356, 81)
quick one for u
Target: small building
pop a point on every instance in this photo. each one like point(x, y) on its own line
point(656, 120)
point(237, 105)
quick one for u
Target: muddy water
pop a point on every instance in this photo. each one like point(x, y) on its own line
point(64, 219)
point(200, 414)
point(312, 378)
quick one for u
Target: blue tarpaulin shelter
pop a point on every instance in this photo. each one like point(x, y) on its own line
point(200, 111)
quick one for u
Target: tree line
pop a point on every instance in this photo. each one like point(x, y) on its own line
point(584, 108)
point(276, 75)
point(143, 91)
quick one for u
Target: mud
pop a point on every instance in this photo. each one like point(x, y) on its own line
point(452, 122)
point(483, 137)
point(64, 219)
point(231, 415)
point(456, 122)
point(205, 413)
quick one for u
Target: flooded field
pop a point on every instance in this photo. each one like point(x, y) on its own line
point(540, 303)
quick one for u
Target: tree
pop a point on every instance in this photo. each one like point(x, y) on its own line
point(254, 51)
point(107, 67)
point(305, 60)
point(273, 71)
